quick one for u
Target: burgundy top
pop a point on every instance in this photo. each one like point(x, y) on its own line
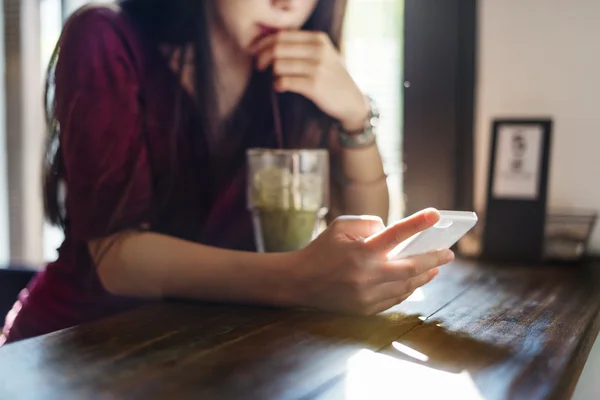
point(115, 97)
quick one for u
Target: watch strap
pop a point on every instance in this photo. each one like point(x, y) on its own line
point(365, 137)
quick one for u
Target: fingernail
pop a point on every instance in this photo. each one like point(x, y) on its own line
point(435, 272)
point(432, 215)
point(448, 256)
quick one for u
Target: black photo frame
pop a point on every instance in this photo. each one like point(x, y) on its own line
point(517, 192)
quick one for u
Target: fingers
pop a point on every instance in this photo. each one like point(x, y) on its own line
point(300, 36)
point(289, 37)
point(393, 293)
point(295, 84)
point(290, 67)
point(296, 76)
point(287, 51)
point(399, 279)
point(386, 305)
point(285, 45)
point(392, 236)
point(414, 266)
point(357, 227)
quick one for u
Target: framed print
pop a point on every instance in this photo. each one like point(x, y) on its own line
point(517, 189)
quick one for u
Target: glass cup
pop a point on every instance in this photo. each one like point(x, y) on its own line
point(288, 196)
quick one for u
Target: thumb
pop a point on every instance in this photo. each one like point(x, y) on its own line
point(358, 227)
point(395, 234)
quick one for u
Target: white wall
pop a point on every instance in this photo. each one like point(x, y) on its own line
point(374, 56)
point(4, 239)
point(32, 136)
point(542, 58)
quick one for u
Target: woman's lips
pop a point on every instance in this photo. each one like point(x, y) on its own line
point(265, 30)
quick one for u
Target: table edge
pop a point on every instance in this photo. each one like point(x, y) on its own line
point(571, 372)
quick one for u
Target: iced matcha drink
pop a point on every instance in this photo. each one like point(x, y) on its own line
point(287, 197)
point(285, 230)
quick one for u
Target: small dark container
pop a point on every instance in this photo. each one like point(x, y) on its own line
point(566, 236)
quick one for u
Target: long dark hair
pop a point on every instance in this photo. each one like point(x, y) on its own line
point(178, 23)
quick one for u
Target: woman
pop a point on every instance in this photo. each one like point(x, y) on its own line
point(152, 107)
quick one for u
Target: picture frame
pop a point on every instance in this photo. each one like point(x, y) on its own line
point(517, 192)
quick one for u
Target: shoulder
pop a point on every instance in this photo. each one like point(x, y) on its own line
point(96, 21)
point(97, 33)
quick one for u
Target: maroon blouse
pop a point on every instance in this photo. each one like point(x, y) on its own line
point(115, 97)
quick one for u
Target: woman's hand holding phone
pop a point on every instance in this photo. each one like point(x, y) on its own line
point(347, 269)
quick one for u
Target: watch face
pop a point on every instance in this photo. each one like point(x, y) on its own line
point(374, 120)
point(374, 114)
point(368, 134)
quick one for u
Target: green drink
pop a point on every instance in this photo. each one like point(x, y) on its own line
point(286, 230)
point(287, 195)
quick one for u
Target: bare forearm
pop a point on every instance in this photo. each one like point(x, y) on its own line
point(366, 191)
point(367, 199)
point(151, 265)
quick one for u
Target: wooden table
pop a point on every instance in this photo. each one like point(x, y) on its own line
point(475, 332)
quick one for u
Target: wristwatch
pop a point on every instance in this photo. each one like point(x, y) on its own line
point(365, 137)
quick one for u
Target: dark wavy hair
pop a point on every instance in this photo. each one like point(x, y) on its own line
point(185, 22)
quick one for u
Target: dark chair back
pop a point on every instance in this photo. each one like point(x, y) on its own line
point(12, 281)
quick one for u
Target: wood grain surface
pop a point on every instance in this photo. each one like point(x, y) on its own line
point(477, 331)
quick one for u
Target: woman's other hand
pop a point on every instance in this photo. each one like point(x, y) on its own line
point(307, 63)
point(341, 271)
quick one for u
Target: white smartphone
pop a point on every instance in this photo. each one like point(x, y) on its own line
point(451, 227)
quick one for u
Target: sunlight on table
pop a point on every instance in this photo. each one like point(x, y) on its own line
point(417, 296)
point(376, 376)
point(410, 352)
